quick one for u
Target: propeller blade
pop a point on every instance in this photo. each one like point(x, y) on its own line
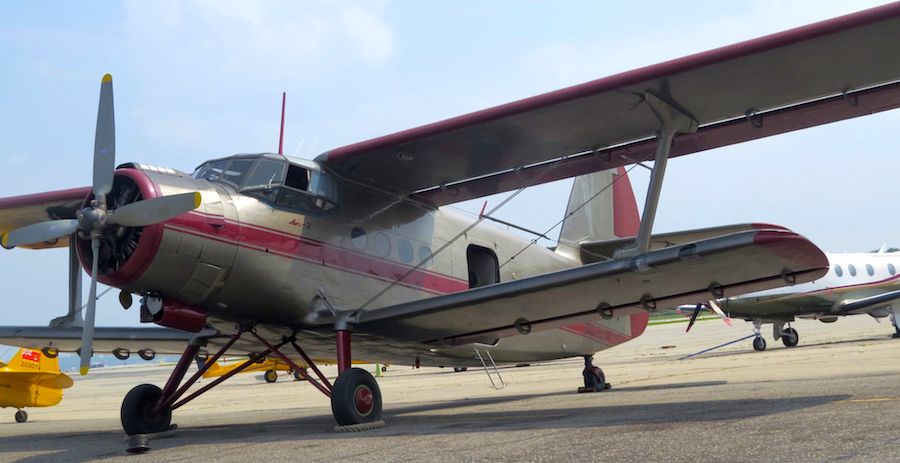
point(715, 307)
point(39, 233)
point(694, 315)
point(87, 331)
point(156, 210)
point(104, 142)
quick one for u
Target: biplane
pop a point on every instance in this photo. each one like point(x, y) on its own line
point(271, 256)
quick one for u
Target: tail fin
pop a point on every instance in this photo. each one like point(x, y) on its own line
point(611, 214)
point(33, 361)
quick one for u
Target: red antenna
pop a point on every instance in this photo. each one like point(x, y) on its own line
point(281, 134)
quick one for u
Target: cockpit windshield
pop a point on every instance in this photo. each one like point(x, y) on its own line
point(280, 182)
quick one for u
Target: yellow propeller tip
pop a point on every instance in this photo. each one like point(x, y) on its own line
point(197, 199)
point(83, 371)
point(107, 78)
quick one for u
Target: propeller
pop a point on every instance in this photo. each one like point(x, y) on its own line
point(92, 220)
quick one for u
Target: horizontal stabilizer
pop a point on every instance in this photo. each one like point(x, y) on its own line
point(596, 251)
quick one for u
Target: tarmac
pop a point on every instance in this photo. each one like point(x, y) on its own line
point(836, 397)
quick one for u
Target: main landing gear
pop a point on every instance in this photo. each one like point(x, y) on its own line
point(894, 321)
point(355, 396)
point(594, 379)
point(21, 416)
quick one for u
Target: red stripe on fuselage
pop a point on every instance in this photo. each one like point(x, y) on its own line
point(295, 247)
point(610, 337)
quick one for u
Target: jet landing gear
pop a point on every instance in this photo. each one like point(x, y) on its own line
point(594, 379)
point(789, 336)
point(895, 322)
point(759, 343)
point(355, 396)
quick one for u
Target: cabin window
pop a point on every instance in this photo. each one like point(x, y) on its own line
point(870, 270)
point(425, 253)
point(838, 271)
point(297, 177)
point(382, 245)
point(405, 251)
point(358, 238)
point(852, 270)
point(891, 269)
point(266, 174)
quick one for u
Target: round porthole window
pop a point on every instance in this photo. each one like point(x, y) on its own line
point(405, 251)
point(852, 270)
point(870, 270)
point(838, 271)
point(358, 238)
point(382, 245)
point(891, 269)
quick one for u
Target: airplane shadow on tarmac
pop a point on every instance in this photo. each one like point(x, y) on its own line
point(424, 419)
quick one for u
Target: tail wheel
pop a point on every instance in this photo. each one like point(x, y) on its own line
point(137, 411)
point(594, 379)
point(355, 398)
point(790, 337)
point(759, 344)
point(271, 376)
point(21, 416)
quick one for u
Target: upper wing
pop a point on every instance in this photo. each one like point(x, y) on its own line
point(19, 211)
point(657, 279)
point(868, 303)
point(828, 71)
point(160, 340)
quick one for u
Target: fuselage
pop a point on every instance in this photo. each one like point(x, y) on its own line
point(851, 276)
point(286, 264)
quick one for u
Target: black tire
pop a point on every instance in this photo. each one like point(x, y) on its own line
point(147, 354)
point(121, 354)
point(759, 344)
point(460, 369)
point(383, 369)
point(790, 337)
point(355, 398)
point(21, 416)
point(136, 414)
point(270, 376)
point(594, 379)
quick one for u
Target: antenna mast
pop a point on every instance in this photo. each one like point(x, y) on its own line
point(281, 133)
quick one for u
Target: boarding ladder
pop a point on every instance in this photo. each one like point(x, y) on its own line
point(487, 370)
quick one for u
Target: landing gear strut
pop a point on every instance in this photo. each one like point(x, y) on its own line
point(21, 416)
point(895, 322)
point(594, 379)
point(355, 396)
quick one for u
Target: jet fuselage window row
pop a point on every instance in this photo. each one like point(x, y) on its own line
point(869, 269)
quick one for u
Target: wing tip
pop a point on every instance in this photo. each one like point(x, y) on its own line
point(107, 78)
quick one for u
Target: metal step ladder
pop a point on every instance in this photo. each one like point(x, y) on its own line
point(488, 370)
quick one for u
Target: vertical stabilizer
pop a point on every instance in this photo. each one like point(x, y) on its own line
point(33, 361)
point(611, 214)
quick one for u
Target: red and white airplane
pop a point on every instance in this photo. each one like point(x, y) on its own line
point(279, 257)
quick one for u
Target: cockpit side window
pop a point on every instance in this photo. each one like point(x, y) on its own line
point(266, 174)
point(297, 177)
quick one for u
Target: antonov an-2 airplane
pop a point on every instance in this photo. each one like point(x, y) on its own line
point(276, 257)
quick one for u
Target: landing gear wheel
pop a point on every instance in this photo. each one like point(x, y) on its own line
point(137, 415)
point(594, 379)
point(21, 416)
point(790, 337)
point(460, 369)
point(355, 398)
point(759, 344)
point(271, 376)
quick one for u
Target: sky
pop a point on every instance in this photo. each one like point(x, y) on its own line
point(200, 79)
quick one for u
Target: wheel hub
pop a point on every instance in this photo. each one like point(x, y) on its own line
point(363, 399)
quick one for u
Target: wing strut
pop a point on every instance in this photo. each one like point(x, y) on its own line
point(672, 121)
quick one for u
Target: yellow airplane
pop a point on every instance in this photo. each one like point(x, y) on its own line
point(31, 379)
point(271, 367)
